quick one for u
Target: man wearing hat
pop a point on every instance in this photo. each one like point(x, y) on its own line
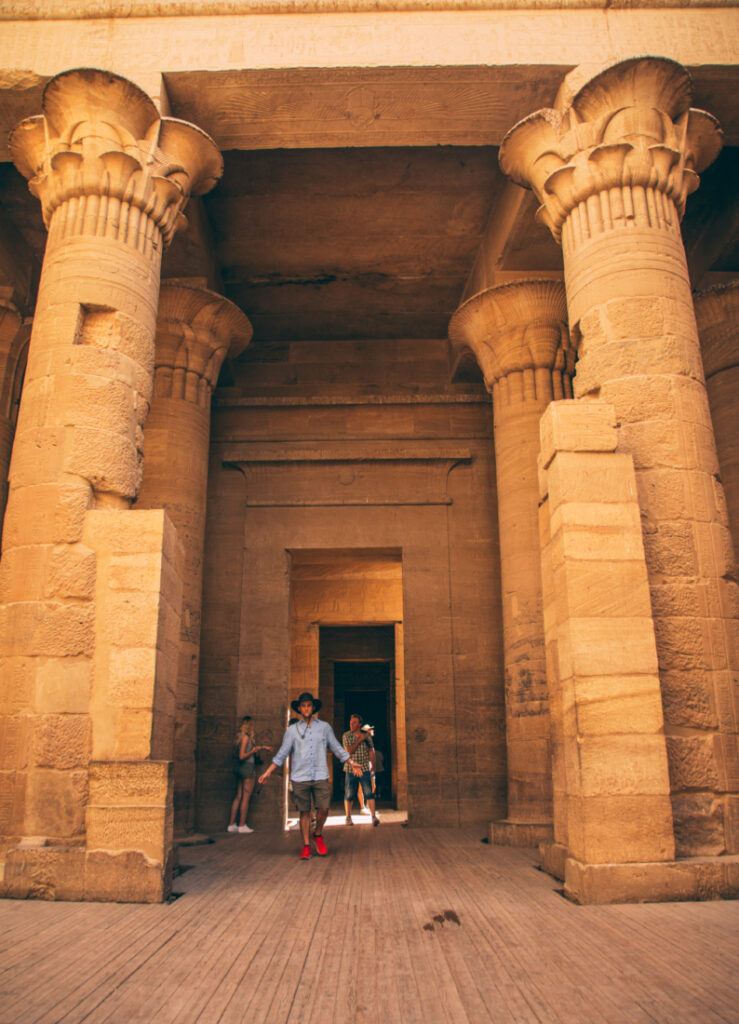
point(306, 742)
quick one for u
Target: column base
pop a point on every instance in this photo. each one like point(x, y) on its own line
point(509, 832)
point(553, 857)
point(74, 873)
point(695, 878)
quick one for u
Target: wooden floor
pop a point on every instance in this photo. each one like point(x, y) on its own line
point(395, 926)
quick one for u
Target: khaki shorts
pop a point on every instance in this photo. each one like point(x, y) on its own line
point(302, 791)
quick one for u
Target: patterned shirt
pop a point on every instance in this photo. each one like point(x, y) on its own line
point(307, 745)
point(361, 755)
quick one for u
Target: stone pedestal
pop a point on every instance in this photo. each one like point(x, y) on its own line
point(717, 312)
point(614, 832)
point(112, 178)
point(196, 329)
point(612, 165)
point(519, 335)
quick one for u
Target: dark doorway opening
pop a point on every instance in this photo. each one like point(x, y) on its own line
point(357, 674)
point(363, 688)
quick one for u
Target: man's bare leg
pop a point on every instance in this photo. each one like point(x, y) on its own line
point(321, 815)
point(305, 827)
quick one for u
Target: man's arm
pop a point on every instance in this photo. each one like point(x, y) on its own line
point(280, 757)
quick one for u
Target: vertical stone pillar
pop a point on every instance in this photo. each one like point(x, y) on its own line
point(612, 165)
point(717, 312)
point(519, 335)
point(613, 817)
point(112, 177)
point(10, 325)
point(196, 329)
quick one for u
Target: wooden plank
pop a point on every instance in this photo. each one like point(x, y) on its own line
point(521, 952)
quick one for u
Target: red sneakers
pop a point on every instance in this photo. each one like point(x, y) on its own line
point(320, 846)
point(305, 855)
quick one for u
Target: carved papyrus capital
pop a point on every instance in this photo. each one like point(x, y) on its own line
point(102, 159)
point(628, 134)
point(717, 315)
point(519, 330)
point(196, 330)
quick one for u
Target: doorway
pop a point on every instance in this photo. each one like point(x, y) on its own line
point(363, 688)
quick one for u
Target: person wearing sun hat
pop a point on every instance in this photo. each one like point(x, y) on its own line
point(305, 742)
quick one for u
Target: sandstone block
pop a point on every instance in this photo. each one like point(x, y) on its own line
point(46, 873)
point(139, 571)
point(127, 877)
point(18, 678)
point(607, 646)
point(110, 461)
point(605, 705)
point(48, 629)
point(71, 572)
point(55, 802)
point(130, 783)
point(147, 830)
point(61, 741)
point(616, 765)
point(687, 699)
point(53, 513)
point(699, 825)
point(602, 589)
point(132, 676)
point(38, 456)
point(650, 882)
point(692, 762)
point(620, 828)
point(590, 477)
point(15, 741)
point(569, 426)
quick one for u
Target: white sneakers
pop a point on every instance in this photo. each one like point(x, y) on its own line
point(239, 828)
point(232, 828)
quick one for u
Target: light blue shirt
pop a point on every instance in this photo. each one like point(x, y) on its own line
point(307, 746)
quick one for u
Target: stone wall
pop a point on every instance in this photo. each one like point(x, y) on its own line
point(411, 471)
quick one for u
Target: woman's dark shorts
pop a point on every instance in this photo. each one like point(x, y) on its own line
point(245, 770)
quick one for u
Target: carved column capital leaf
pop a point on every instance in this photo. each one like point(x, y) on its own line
point(196, 330)
point(515, 327)
point(102, 153)
point(628, 126)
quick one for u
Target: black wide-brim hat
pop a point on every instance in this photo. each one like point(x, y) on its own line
point(317, 704)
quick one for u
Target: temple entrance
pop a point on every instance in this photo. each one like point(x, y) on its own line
point(347, 646)
point(363, 688)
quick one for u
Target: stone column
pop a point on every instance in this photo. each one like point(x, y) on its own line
point(84, 642)
point(519, 335)
point(196, 329)
point(10, 324)
point(717, 311)
point(612, 165)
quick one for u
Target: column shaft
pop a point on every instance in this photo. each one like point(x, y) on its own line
point(613, 165)
point(196, 329)
point(717, 311)
point(518, 334)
